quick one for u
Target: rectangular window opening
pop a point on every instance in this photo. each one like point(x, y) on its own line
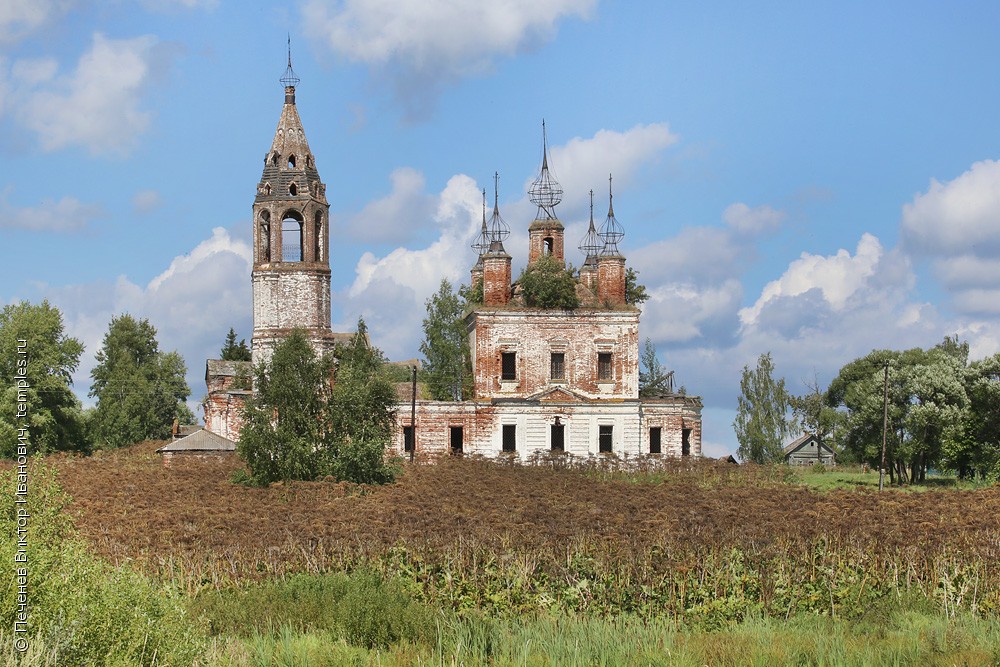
point(605, 440)
point(686, 442)
point(510, 437)
point(557, 366)
point(408, 438)
point(604, 368)
point(655, 434)
point(558, 437)
point(508, 365)
point(456, 439)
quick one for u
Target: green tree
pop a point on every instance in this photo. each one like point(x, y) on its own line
point(927, 407)
point(548, 284)
point(313, 416)
point(981, 454)
point(447, 362)
point(362, 414)
point(654, 379)
point(762, 422)
point(233, 351)
point(634, 292)
point(139, 389)
point(36, 384)
point(285, 434)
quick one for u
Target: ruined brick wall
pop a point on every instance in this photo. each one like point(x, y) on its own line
point(611, 280)
point(285, 297)
point(673, 416)
point(538, 232)
point(228, 384)
point(496, 279)
point(534, 335)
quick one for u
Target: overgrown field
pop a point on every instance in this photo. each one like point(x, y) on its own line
point(705, 544)
point(475, 562)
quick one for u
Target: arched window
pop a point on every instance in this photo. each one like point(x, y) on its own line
point(291, 238)
point(291, 162)
point(264, 237)
point(293, 189)
point(318, 238)
point(274, 158)
point(547, 244)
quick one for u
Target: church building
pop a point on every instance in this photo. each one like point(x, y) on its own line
point(549, 380)
point(543, 379)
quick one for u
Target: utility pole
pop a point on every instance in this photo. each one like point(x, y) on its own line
point(413, 416)
point(885, 424)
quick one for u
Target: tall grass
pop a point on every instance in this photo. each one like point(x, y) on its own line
point(81, 610)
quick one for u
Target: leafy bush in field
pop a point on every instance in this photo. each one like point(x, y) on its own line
point(84, 611)
point(362, 609)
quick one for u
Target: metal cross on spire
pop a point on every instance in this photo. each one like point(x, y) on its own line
point(482, 242)
point(612, 231)
point(288, 79)
point(592, 244)
point(498, 229)
point(545, 192)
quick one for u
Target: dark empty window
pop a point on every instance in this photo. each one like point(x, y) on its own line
point(605, 438)
point(558, 437)
point(654, 440)
point(293, 189)
point(604, 366)
point(686, 442)
point(508, 365)
point(407, 438)
point(547, 245)
point(455, 437)
point(557, 366)
point(291, 162)
point(510, 437)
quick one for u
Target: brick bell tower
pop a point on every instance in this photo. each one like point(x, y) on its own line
point(291, 219)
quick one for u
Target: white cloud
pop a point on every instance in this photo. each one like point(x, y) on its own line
point(700, 254)
point(837, 277)
point(97, 106)
point(68, 214)
point(192, 304)
point(389, 292)
point(424, 44)
point(584, 164)
point(687, 312)
point(961, 216)
point(399, 215)
point(18, 19)
point(170, 5)
point(145, 201)
point(752, 221)
point(957, 226)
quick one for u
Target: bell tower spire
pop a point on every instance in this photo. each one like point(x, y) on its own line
point(545, 234)
point(291, 267)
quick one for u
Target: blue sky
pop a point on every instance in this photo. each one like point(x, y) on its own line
point(811, 179)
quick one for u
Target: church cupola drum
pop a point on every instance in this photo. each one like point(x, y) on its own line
point(291, 217)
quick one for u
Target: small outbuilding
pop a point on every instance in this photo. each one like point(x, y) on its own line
point(808, 450)
point(199, 444)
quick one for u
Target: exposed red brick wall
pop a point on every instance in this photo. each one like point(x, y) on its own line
point(611, 280)
point(538, 232)
point(496, 279)
point(533, 335)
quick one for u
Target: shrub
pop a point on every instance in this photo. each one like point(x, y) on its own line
point(548, 284)
point(83, 611)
